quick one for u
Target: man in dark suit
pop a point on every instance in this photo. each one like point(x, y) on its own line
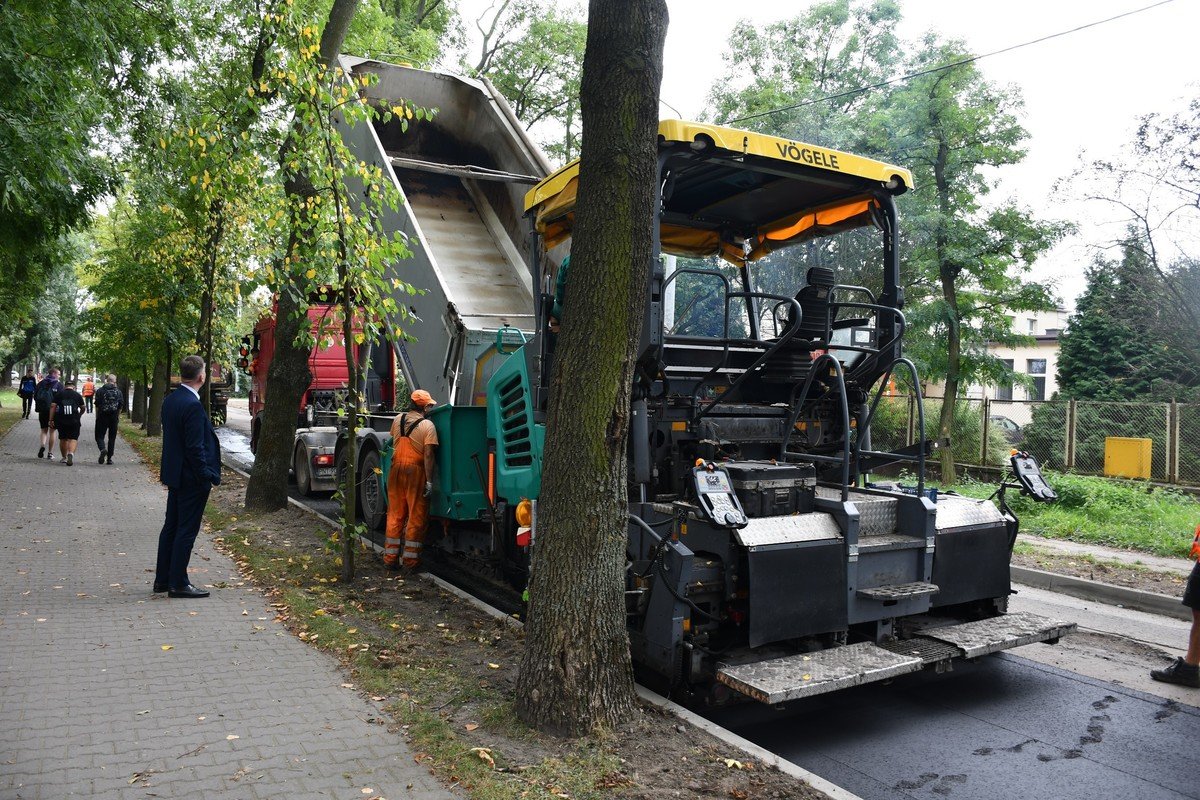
point(191, 466)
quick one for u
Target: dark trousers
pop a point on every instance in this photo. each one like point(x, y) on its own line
point(88, 401)
point(26, 406)
point(106, 424)
point(185, 509)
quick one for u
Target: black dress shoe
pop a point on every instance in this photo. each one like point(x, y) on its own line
point(187, 591)
point(159, 588)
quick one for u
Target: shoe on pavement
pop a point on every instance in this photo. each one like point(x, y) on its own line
point(41, 452)
point(391, 566)
point(1179, 672)
point(101, 456)
point(187, 591)
point(159, 588)
point(110, 460)
point(70, 459)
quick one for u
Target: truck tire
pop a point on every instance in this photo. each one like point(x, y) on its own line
point(372, 501)
point(301, 469)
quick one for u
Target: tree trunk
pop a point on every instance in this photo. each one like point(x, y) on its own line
point(162, 380)
point(576, 674)
point(288, 377)
point(948, 274)
point(287, 380)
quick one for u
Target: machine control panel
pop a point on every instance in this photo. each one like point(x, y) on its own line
point(1029, 475)
point(715, 495)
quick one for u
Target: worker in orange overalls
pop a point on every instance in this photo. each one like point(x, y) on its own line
point(410, 482)
point(89, 391)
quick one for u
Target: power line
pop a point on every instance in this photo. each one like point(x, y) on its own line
point(952, 65)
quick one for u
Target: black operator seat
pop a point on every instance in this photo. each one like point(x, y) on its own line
point(814, 303)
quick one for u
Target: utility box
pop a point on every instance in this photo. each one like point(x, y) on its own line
point(1127, 458)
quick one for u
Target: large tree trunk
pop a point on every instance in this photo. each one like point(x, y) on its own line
point(162, 381)
point(287, 380)
point(137, 413)
point(288, 376)
point(948, 273)
point(576, 674)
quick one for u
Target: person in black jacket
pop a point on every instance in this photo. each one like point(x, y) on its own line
point(44, 395)
point(25, 392)
point(191, 466)
point(109, 402)
point(65, 414)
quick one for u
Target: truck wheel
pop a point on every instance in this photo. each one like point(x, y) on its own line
point(371, 499)
point(303, 475)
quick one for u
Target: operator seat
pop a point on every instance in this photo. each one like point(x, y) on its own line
point(814, 303)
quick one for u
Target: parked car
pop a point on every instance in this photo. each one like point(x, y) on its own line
point(1012, 431)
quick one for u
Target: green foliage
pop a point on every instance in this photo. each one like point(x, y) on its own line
point(1112, 513)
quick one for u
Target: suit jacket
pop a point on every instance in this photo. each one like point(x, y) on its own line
point(191, 454)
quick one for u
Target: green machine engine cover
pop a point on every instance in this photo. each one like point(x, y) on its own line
point(462, 436)
point(519, 440)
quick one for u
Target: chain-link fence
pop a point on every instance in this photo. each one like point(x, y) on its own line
point(1060, 434)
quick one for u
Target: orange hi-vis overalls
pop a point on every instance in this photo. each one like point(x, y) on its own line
point(408, 507)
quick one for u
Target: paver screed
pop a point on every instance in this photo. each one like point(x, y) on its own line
point(110, 691)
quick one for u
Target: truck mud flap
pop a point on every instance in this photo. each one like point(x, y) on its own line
point(778, 680)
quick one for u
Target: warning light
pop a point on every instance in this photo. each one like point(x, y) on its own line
point(524, 513)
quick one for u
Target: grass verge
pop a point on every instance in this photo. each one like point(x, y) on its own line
point(10, 410)
point(1095, 510)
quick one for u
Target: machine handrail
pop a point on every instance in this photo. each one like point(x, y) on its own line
point(791, 425)
point(787, 337)
point(912, 370)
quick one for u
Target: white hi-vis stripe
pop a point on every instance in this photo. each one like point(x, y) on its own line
point(412, 549)
point(391, 546)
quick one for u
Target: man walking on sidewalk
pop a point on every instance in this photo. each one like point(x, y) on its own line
point(191, 466)
point(44, 395)
point(109, 402)
point(65, 417)
point(1186, 671)
point(89, 389)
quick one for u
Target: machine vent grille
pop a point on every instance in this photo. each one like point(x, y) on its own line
point(516, 429)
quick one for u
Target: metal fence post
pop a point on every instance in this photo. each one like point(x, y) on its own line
point(912, 419)
point(983, 437)
point(1069, 445)
point(1173, 442)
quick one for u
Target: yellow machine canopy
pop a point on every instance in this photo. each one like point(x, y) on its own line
point(738, 194)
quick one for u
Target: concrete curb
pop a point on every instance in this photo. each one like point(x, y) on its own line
point(1099, 592)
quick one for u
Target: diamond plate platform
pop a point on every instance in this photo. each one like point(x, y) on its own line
point(810, 527)
point(898, 591)
point(954, 511)
point(778, 680)
point(1000, 633)
point(930, 651)
point(876, 513)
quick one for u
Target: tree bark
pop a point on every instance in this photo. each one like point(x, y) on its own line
point(162, 379)
point(288, 376)
point(576, 674)
point(948, 274)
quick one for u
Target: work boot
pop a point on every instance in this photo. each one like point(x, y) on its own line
point(391, 566)
point(1179, 672)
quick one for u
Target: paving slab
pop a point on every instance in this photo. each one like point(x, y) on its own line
point(107, 690)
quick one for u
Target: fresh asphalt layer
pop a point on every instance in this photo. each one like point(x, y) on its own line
point(108, 691)
point(1003, 727)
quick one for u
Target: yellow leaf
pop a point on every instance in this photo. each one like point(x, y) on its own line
point(493, 666)
point(485, 755)
point(168, 647)
point(360, 338)
point(471, 726)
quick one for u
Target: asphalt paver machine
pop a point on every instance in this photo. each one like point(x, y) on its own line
point(764, 560)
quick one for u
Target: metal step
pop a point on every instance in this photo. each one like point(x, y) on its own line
point(888, 541)
point(778, 680)
point(898, 591)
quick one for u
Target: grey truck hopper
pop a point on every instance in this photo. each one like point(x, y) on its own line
point(463, 176)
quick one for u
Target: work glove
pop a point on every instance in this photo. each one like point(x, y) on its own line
point(428, 488)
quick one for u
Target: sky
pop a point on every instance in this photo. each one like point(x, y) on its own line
point(1084, 92)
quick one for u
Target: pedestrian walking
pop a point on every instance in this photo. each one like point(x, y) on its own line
point(89, 389)
point(414, 443)
point(109, 402)
point(65, 414)
point(1186, 671)
point(191, 466)
point(25, 391)
point(44, 395)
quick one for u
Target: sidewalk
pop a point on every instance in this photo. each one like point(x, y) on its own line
point(1181, 566)
point(109, 691)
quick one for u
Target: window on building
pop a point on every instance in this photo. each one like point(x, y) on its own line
point(1004, 390)
point(1036, 366)
point(1031, 325)
point(1038, 390)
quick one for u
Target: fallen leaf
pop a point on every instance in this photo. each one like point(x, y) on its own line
point(231, 737)
point(245, 613)
point(471, 726)
point(485, 755)
point(41, 619)
point(378, 697)
point(147, 711)
point(493, 666)
point(168, 647)
point(200, 719)
point(368, 790)
point(347, 685)
point(733, 763)
point(352, 630)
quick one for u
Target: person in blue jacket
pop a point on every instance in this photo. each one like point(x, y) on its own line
point(25, 392)
point(191, 466)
